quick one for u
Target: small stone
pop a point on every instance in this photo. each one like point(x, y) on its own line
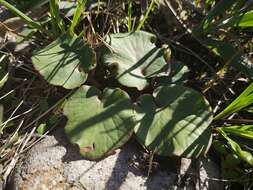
point(55, 164)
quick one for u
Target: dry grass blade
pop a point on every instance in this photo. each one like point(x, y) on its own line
point(16, 156)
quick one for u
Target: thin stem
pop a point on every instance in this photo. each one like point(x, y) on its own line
point(130, 15)
point(146, 15)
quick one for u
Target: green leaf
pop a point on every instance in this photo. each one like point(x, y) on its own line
point(242, 101)
point(99, 122)
point(177, 75)
point(245, 131)
point(242, 20)
point(135, 57)
point(243, 155)
point(174, 122)
point(220, 147)
point(65, 62)
point(42, 128)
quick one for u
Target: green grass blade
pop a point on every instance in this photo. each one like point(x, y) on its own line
point(242, 101)
point(241, 127)
point(79, 9)
point(221, 7)
point(20, 14)
point(242, 20)
point(142, 22)
point(245, 131)
point(129, 12)
point(57, 22)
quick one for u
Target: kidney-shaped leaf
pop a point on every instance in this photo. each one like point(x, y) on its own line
point(174, 122)
point(65, 62)
point(135, 57)
point(99, 122)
